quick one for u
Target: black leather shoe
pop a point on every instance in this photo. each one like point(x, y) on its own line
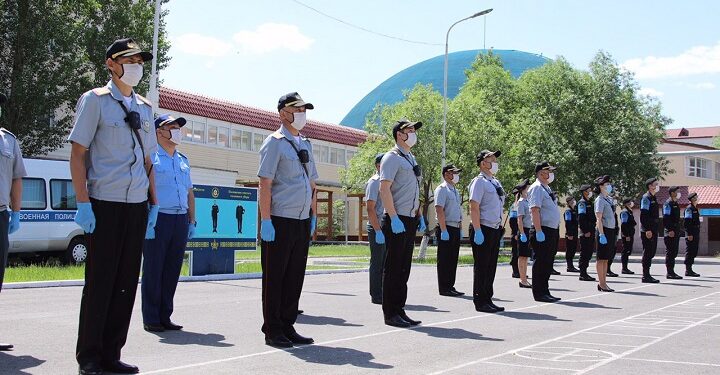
point(573, 270)
point(377, 301)
point(586, 277)
point(154, 327)
point(627, 272)
point(527, 286)
point(119, 367)
point(496, 307)
point(406, 318)
point(601, 289)
point(90, 368)
point(448, 293)
point(5, 347)
point(516, 275)
point(278, 341)
point(673, 276)
point(300, 312)
point(486, 308)
point(397, 321)
point(297, 339)
point(554, 272)
point(650, 280)
point(457, 293)
point(611, 274)
point(172, 326)
point(554, 298)
point(691, 273)
point(546, 299)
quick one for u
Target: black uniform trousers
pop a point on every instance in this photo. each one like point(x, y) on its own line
point(543, 260)
point(447, 258)
point(485, 258)
point(397, 264)
point(112, 269)
point(627, 250)
point(377, 264)
point(514, 242)
point(283, 263)
point(649, 250)
point(4, 243)
point(672, 244)
point(587, 247)
point(162, 262)
point(690, 253)
point(570, 250)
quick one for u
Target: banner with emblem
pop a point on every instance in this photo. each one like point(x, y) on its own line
point(226, 222)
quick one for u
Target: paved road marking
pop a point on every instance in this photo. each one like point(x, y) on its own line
point(673, 362)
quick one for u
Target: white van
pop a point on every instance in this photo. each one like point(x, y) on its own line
point(48, 212)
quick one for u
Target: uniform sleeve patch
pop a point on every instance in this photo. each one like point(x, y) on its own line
point(624, 217)
point(645, 204)
point(582, 208)
point(667, 210)
point(568, 216)
point(688, 213)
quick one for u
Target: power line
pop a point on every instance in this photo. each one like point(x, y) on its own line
point(365, 29)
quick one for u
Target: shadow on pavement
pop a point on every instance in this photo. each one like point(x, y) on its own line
point(423, 308)
point(562, 290)
point(333, 294)
point(586, 305)
point(326, 355)
point(640, 294)
point(453, 333)
point(10, 364)
point(324, 321)
point(531, 316)
point(193, 338)
point(691, 285)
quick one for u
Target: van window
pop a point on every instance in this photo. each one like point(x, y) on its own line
point(62, 195)
point(33, 197)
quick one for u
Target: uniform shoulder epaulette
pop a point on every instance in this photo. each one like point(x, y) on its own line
point(100, 91)
point(8, 132)
point(182, 155)
point(278, 135)
point(144, 99)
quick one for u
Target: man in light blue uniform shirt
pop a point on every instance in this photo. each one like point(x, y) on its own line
point(288, 217)
point(448, 212)
point(545, 233)
point(376, 238)
point(112, 140)
point(163, 253)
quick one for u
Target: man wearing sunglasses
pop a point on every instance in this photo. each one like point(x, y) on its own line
point(114, 182)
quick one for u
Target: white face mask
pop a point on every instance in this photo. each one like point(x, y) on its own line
point(657, 188)
point(299, 120)
point(679, 195)
point(132, 74)
point(551, 178)
point(412, 139)
point(456, 178)
point(175, 136)
point(494, 168)
point(590, 194)
point(632, 204)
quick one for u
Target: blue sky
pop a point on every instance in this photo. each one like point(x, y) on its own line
point(252, 52)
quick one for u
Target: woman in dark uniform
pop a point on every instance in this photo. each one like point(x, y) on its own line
point(605, 226)
point(524, 226)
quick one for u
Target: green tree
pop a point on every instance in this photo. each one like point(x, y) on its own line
point(53, 51)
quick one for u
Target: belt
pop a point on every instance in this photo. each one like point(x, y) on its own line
point(454, 224)
point(172, 211)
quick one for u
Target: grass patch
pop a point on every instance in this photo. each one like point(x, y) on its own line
point(43, 273)
point(463, 259)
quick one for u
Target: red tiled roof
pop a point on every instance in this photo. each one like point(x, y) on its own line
point(704, 132)
point(708, 195)
point(179, 101)
point(687, 144)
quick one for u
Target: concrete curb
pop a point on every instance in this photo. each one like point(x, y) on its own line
point(226, 277)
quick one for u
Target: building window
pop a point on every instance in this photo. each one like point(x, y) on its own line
point(236, 137)
point(247, 141)
point(337, 156)
point(212, 134)
point(62, 195)
point(698, 167)
point(321, 153)
point(223, 137)
point(258, 140)
point(33, 194)
point(187, 133)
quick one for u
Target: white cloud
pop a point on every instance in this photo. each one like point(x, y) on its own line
point(696, 60)
point(270, 37)
point(703, 86)
point(650, 92)
point(196, 44)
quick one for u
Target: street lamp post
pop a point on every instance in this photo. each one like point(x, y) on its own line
point(153, 94)
point(445, 79)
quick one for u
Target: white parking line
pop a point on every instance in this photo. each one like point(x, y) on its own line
point(620, 334)
point(528, 366)
point(584, 331)
point(674, 362)
point(596, 343)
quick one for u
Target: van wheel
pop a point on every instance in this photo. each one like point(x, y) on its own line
point(76, 252)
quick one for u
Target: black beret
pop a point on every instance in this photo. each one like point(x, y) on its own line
point(602, 179)
point(692, 195)
point(650, 181)
point(584, 187)
point(673, 189)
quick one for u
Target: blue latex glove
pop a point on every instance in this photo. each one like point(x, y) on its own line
point(267, 230)
point(540, 236)
point(84, 217)
point(422, 227)
point(14, 222)
point(479, 237)
point(396, 224)
point(150, 233)
point(191, 231)
point(152, 215)
point(603, 239)
point(379, 237)
point(313, 224)
point(523, 238)
point(444, 236)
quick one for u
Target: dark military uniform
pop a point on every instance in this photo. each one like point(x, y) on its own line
point(627, 227)
point(586, 219)
point(513, 219)
point(671, 221)
point(571, 230)
point(239, 212)
point(649, 219)
point(692, 228)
